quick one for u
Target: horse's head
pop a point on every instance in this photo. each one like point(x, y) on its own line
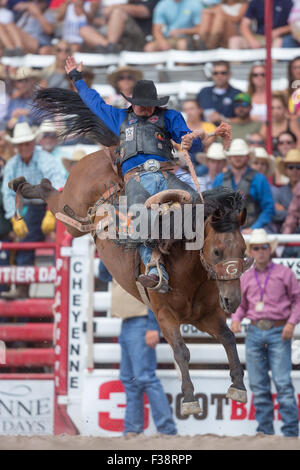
point(223, 252)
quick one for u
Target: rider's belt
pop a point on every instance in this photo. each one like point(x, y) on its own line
point(266, 324)
point(150, 165)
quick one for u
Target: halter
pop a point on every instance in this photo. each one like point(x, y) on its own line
point(227, 270)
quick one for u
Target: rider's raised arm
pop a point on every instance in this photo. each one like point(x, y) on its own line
point(112, 117)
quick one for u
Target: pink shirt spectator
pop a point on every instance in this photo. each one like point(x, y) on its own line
point(281, 296)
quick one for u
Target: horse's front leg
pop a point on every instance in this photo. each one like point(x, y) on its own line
point(171, 331)
point(237, 390)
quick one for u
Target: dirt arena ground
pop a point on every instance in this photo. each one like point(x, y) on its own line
point(203, 442)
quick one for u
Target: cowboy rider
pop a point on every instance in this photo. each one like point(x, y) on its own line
point(145, 130)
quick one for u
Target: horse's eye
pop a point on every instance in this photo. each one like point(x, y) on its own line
point(217, 252)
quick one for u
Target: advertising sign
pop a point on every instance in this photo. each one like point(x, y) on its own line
point(104, 405)
point(27, 407)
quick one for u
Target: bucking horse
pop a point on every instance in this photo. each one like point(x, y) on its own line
point(204, 283)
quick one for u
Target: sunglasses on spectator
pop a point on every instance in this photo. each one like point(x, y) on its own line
point(223, 72)
point(61, 49)
point(258, 74)
point(285, 142)
point(243, 104)
point(293, 167)
point(125, 77)
point(260, 247)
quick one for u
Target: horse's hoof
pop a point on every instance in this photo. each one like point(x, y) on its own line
point(237, 395)
point(190, 408)
point(15, 183)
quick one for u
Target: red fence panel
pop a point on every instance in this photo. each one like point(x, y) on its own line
point(26, 332)
point(31, 357)
point(41, 308)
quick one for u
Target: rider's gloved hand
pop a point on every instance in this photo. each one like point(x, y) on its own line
point(48, 223)
point(73, 70)
point(19, 227)
point(186, 142)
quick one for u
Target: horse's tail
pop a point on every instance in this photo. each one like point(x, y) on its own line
point(71, 115)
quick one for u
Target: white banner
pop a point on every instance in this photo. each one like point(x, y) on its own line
point(26, 407)
point(104, 403)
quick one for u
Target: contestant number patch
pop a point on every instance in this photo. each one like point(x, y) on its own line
point(129, 133)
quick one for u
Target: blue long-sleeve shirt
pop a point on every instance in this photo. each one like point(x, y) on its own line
point(105, 276)
point(260, 191)
point(113, 118)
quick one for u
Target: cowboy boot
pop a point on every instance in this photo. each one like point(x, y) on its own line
point(151, 281)
point(21, 291)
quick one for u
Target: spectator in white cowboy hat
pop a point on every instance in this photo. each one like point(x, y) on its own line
point(255, 186)
point(271, 301)
point(34, 164)
point(123, 80)
point(215, 159)
point(20, 106)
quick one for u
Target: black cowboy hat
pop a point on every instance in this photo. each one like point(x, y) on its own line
point(145, 94)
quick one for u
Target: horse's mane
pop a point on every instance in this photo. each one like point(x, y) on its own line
point(71, 115)
point(223, 205)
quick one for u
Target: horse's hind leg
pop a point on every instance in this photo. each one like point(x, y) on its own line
point(171, 332)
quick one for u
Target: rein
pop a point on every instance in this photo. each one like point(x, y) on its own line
point(227, 270)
